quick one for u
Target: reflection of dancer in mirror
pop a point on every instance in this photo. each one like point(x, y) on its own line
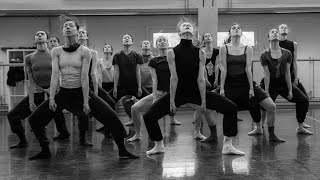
point(187, 85)
point(276, 63)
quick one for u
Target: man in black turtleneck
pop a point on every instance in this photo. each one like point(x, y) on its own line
point(187, 85)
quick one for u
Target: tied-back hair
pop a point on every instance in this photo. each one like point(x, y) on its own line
point(63, 19)
point(53, 36)
point(105, 43)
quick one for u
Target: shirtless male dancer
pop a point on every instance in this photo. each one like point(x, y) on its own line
point(71, 63)
point(38, 67)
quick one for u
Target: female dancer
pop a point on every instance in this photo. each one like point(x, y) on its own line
point(237, 83)
point(276, 63)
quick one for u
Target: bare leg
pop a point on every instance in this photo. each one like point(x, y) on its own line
point(210, 117)
point(158, 148)
point(136, 109)
point(197, 124)
point(228, 148)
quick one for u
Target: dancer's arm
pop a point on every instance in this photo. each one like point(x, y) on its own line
point(138, 74)
point(154, 82)
point(223, 67)
point(266, 78)
point(249, 55)
point(216, 72)
point(86, 57)
point(55, 73)
point(295, 64)
point(173, 77)
point(201, 79)
point(93, 72)
point(288, 80)
point(31, 84)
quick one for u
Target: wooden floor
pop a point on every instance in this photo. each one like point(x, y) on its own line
point(185, 158)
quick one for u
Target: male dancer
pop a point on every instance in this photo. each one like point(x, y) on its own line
point(187, 85)
point(71, 63)
point(127, 78)
point(38, 67)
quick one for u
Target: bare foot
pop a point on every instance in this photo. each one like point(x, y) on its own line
point(304, 131)
point(230, 150)
point(275, 138)
point(256, 131)
point(136, 137)
point(199, 136)
point(156, 150)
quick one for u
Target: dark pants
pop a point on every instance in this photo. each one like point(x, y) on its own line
point(107, 86)
point(22, 111)
point(72, 100)
point(237, 90)
point(303, 90)
point(214, 102)
point(126, 101)
point(279, 87)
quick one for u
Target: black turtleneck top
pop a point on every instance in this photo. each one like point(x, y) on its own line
point(187, 67)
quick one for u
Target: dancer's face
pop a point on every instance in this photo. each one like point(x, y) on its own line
point(69, 29)
point(107, 49)
point(186, 28)
point(146, 45)
point(53, 42)
point(283, 29)
point(82, 34)
point(207, 37)
point(274, 35)
point(127, 40)
point(162, 42)
point(235, 30)
point(40, 37)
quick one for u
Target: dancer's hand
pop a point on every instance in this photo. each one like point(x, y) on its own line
point(222, 92)
point(203, 106)
point(251, 94)
point(32, 107)
point(96, 91)
point(52, 105)
point(139, 92)
point(296, 81)
point(115, 92)
point(86, 109)
point(290, 95)
point(208, 84)
point(173, 107)
point(215, 84)
point(47, 90)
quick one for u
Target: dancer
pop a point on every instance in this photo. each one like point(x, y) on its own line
point(146, 79)
point(187, 85)
point(211, 78)
point(106, 69)
point(127, 78)
point(293, 48)
point(238, 86)
point(38, 67)
point(160, 73)
point(276, 63)
point(72, 60)
point(54, 41)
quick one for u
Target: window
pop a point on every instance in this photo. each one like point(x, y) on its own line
point(246, 39)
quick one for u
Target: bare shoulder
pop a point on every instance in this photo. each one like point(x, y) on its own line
point(249, 49)
point(222, 48)
point(85, 50)
point(56, 50)
point(171, 53)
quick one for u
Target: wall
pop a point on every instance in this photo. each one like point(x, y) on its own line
point(19, 31)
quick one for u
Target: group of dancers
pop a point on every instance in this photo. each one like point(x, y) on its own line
point(71, 77)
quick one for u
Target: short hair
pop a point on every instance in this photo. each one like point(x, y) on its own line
point(52, 36)
point(47, 34)
point(185, 19)
point(270, 30)
point(63, 19)
point(129, 35)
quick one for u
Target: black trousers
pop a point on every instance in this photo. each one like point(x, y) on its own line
point(279, 87)
point(303, 90)
point(214, 102)
point(126, 101)
point(84, 119)
point(107, 86)
point(72, 100)
point(22, 111)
